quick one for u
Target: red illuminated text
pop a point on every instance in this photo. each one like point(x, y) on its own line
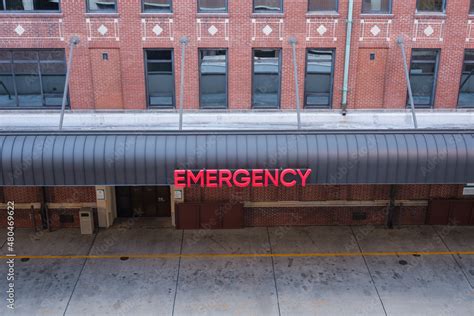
point(218, 178)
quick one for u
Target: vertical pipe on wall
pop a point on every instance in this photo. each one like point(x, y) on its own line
point(391, 207)
point(44, 215)
point(347, 57)
point(184, 41)
point(401, 43)
point(73, 42)
point(292, 41)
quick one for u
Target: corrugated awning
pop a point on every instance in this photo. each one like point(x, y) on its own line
point(346, 157)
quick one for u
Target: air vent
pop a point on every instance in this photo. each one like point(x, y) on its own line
point(359, 216)
point(66, 218)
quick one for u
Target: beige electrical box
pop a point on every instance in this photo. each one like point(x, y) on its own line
point(86, 219)
point(178, 195)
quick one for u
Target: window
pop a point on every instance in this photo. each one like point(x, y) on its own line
point(160, 77)
point(29, 5)
point(376, 6)
point(466, 88)
point(32, 78)
point(156, 6)
point(423, 72)
point(319, 78)
point(212, 6)
point(213, 78)
point(430, 5)
point(267, 6)
point(471, 8)
point(266, 78)
point(102, 5)
point(322, 5)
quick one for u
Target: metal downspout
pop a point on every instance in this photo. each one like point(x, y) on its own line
point(292, 41)
point(391, 207)
point(347, 58)
point(184, 41)
point(73, 42)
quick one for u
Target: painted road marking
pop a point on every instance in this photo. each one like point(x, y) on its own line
point(250, 255)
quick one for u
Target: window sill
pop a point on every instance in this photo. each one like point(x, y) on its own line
point(214, 110)
point(161, 108)
point(212, 15)
point(33, 109)
point(40, 15)
point(102, 15)
point(266, 109)
point(431, 15)
point(377, 15)
point(162, 14)
point(268, 15)
point(322, 14)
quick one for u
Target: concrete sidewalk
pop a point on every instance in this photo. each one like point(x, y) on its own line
point(245, 285)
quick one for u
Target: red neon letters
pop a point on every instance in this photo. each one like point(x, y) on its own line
point(213, 178)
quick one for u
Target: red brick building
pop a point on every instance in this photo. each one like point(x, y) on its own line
point(238, 59)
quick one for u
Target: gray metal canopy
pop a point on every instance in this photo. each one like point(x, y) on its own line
point(336, 157)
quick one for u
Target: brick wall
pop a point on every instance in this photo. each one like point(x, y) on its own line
point(276, 216)
point(24, 217)
point(120, 82)
point(312, 216)
point(325, 193)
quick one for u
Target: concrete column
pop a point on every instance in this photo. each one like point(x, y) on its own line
point(106, 205)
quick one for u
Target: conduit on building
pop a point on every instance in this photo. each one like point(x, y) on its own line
point(347, 57)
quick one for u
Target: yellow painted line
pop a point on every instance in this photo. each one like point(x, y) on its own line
point(247, 255)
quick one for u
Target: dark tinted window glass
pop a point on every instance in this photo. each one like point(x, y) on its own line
point(213, 84)
point(161, 55)
point(376, 6)
point(266, 78)
point(160, 77)
point(212, 5)
point(319, 74)
point(32, 78)
point(102, 5)
point(423, 76)
point(268, 5)
point(430, 5)
point(5, 56)
point(471, 8)
point(322, 5)
point(466, 89)
point(29, 5)
point(7, 87)
point(156, 5)
point(53, 55)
